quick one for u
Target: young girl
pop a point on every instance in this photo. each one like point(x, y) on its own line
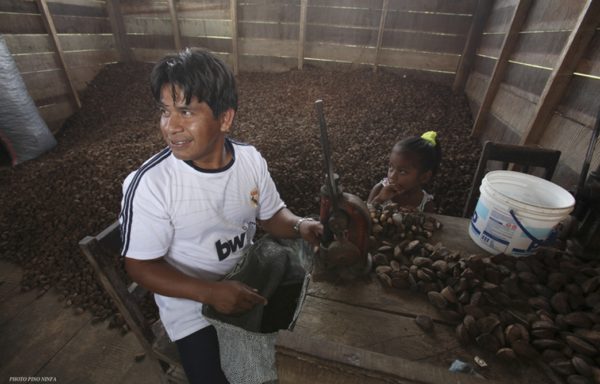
point(413, 162)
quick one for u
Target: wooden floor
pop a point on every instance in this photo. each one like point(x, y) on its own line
point(42, 340)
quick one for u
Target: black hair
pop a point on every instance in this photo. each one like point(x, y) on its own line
point(429, 154)
point(198, 73)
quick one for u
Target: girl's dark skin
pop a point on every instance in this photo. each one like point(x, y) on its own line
point(404, 182)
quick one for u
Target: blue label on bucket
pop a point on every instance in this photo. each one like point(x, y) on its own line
point(538, 233)
point(500, 227)
point(473, 227)
point(521, 251)
point(481, 211)
point(487, 236)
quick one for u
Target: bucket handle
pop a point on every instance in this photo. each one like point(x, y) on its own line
point(535, 242)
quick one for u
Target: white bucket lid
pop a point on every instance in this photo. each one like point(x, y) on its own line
point(528, 192)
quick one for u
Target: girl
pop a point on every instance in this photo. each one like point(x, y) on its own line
point(413, 162)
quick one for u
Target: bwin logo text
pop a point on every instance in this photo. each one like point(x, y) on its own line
point(227, 248)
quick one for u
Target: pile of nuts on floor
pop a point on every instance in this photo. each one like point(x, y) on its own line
point(50, 203)
point(545, 306)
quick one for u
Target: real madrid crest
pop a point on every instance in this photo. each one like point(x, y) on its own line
point(254, 197)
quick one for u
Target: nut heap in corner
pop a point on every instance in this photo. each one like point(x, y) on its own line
point(544, 307)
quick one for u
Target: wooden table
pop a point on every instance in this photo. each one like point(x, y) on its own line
point(363, 333)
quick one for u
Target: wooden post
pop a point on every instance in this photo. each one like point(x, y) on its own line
point(468, 55)
point(234, 36)
point(561, 74)
point(49, 23)
point(175, 25)
point(117, 25)
point(384, 10)
point(510, 39)
point(302, 33)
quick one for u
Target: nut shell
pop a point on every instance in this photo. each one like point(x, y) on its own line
point(385, 279)
point(562, 367)
point(578, 319)
point(449, 294)
point(506, 354)
point(437, 299)
point(581, 346)
point(581, 366)
point(524, 349)
point(424, 322)
point(489, 342)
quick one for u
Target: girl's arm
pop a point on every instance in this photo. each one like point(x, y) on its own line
point(382, 193)
point(374, 192)
point(429, 207)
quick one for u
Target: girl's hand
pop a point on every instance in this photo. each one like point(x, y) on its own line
point(386, 193)
point(231, 297)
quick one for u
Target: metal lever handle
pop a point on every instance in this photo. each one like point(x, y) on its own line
point(327, 163)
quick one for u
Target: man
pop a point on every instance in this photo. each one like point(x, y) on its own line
point(190, 210)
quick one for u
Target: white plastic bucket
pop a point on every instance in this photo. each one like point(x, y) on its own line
point(516, 212)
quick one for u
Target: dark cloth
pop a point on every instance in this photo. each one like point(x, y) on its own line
point(276, 269)
point(199, 355)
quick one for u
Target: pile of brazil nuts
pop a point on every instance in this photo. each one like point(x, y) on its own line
point(50, 203)
point(542, 307)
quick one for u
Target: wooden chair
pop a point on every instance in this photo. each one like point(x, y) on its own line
point(523, 158)
point(103, 253)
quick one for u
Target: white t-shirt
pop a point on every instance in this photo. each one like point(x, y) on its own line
point(199, 220)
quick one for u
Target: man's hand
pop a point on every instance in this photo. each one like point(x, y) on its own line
point(233, 297)
point(311, 231)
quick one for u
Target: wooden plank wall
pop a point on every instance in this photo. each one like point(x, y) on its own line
point(540, 41)
point(202, 23)
point(268, 33)
point(275, 35)
point(426, 35)
point(86, 38)
point(256, 35)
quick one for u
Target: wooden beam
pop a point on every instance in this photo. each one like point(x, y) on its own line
point(234, 36)
point(175, 25)
point(561, 74)
point(384, 10)
point(519, 15)
point(117, 25)
point(468, 55)
point(49, 23)
point(302, 33)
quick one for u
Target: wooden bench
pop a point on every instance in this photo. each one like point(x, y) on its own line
point(103, 253)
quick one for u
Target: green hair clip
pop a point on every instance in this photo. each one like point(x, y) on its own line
point(430, 137)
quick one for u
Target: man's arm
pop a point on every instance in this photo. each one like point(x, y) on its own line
point(160, 277)
point(283, 222)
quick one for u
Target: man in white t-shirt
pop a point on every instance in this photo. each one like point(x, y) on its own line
point(190, 211)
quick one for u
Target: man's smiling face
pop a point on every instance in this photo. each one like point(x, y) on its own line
point(191, 130)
